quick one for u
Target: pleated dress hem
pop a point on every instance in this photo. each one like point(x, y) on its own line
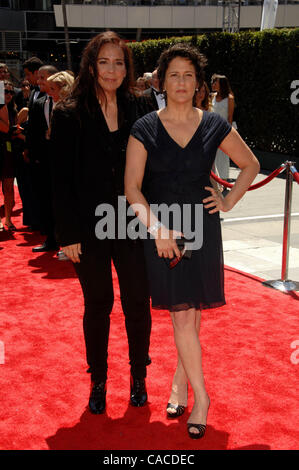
point(189, 305)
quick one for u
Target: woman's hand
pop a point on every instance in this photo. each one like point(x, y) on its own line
point(166, 244)
point(73, 252)
point(216, 201)
point(17, 133)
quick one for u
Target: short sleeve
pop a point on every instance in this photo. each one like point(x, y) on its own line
point(140, 131)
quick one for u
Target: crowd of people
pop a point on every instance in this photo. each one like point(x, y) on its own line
point(76, 142)
point(24, 144)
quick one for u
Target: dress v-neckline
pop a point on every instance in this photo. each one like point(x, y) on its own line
point(191, 139)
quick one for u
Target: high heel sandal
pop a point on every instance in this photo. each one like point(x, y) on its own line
point(200, 427)
point(179, 409)
point(196, 435)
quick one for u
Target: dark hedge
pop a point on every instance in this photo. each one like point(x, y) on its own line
point(260, 67)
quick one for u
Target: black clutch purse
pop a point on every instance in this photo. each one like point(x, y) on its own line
point(186, 252)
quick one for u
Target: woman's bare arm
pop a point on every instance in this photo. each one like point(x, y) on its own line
point(134, 173)
point(4, 120)
point(236, 149)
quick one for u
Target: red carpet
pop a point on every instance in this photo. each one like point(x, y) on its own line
point(250, 377)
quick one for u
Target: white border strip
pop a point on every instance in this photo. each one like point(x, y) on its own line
point(258, 217)
point(2, 94)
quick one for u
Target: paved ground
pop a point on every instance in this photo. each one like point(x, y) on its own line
point(253, 230)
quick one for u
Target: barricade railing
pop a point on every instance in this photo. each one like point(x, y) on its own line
point(283, 284)
point(253, 186)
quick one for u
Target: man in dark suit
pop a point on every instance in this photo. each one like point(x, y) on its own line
point(25, 172)
point(39, 155)
point(31, 67)
point(153, 94)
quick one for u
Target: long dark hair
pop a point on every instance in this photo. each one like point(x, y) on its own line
point(206, 103)
point(224, 85)
point(12, 108)
point(86, 89)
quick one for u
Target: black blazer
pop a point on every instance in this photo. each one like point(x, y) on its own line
point(151, 99)
point(36, 131)
point(31, 96)
point(85, 170)
point(30, 124)
point(20, 101)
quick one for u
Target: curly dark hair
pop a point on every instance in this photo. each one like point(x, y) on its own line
point(186, 51)
point(86, 89)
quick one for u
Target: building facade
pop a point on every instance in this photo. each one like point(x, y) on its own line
point(36, 27)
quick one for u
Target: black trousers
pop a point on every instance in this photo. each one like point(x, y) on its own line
point(42, 186)
point(95, 275)
point(23, 174)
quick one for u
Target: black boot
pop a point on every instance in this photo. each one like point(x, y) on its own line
point(148, 361)
point(97, 398)
point(44, 247)
point(138, 392)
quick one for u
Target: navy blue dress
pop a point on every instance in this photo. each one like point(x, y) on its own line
point(176, 175)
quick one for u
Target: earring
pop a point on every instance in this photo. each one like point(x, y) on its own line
point(196, 89)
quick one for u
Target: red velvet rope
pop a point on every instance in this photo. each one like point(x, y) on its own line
point(257, 185)
point(295, 173)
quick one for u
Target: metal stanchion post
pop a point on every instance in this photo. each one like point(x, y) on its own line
point(284, 284)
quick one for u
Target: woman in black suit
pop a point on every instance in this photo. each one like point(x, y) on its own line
point(89, 134)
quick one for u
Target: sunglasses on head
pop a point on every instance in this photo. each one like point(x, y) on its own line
point(9, 92)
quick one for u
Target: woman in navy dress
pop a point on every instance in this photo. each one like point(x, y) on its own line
point(169, 159)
